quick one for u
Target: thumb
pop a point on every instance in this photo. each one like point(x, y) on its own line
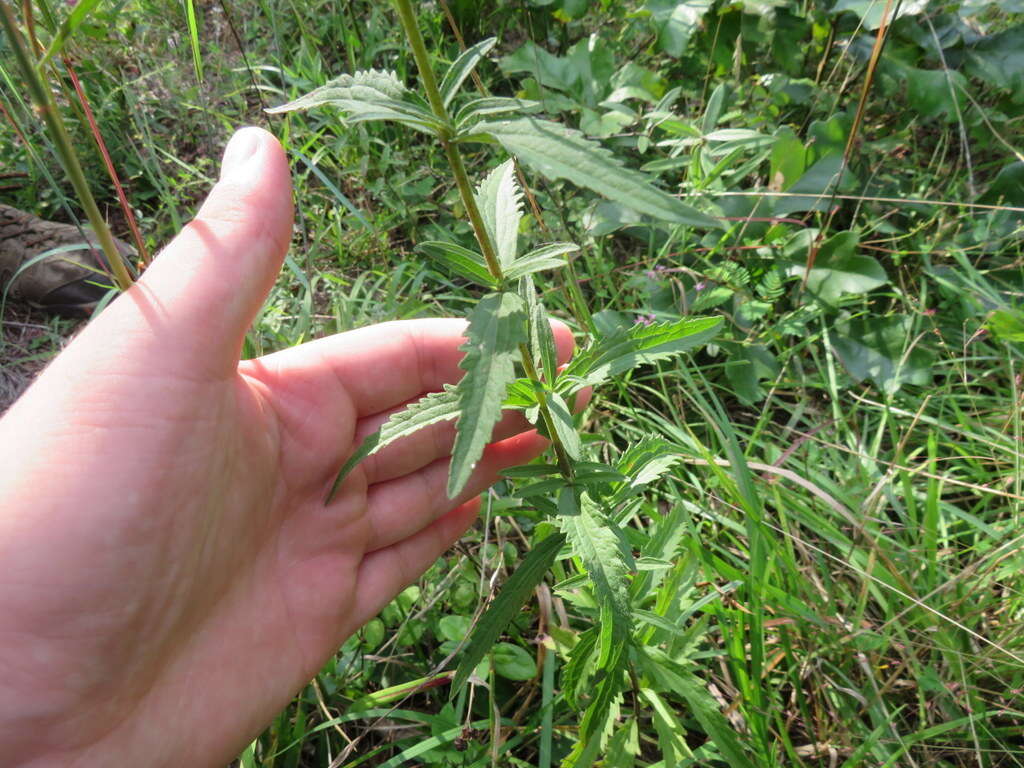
point(207, 285)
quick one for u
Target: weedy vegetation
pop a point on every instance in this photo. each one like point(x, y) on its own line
point(786, 530)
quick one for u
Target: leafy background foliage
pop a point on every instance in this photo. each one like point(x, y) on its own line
point(814, 523)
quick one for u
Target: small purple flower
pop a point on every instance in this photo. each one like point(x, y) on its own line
point(650, 274)
point(700, 286)
point(645, 319)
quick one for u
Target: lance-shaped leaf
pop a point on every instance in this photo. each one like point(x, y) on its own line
point(542, 340)
point(564, 425)
point(368, 95)
point(434, 408)
point(545, 257)
point(594, 542)
point(702, 706)
point(643, 463)
point(462, 261)
point(501, 205)
point(562, 153)
point(506, 605)
point(462, 67)
point(476, 109)
point(626, 349)
point(497, 325)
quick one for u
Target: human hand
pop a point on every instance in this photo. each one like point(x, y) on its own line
point(169, 574)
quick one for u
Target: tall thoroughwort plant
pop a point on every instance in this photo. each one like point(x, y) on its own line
point(510, 361)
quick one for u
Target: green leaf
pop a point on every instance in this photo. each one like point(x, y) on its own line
point(788, 159)
point(561, 153)
point(607, 692)
point(370, 85)
point(879, 349)
point(839, 269)
point(81, 12)
point(500, 201)
point(643, 463)
point(998, 60)
point(496, 328)
point(506, 605)
point(542, 340)
point(670, 731)
point(574, 672)
point(564, 425)
point(871, 12)
point(676, 22)
point(641, 344)
point(367, 95)
point(701, 705)
point(490, 105)
point(813, 191)
point(434, 408)
point(461, 261)
point(193, 37)
point(1007, 324)
point(513, 663)
point(462, 67)
point(597, 546)
point(544, 257)
point(521, 393)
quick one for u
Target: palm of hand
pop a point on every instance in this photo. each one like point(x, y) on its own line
point(180, 578)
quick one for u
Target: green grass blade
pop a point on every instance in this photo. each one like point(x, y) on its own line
point(506, 605)
point(67, 28)
point(193, 36)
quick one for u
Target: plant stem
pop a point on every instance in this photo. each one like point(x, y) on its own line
point(564, 463)
point(451, 150)
point(48, 111)
point(419, 53)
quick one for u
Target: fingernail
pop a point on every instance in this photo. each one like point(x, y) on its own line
point(239, 152)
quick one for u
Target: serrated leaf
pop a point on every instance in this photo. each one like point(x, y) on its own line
point(700, 704)
point(670, 730)
point(641, 344)
point(573, 672)
point(432, 409)
point(542, 340)
point(418, 119)
point(606, 694)
point(490, 105)
point(496, 328)
point(462, 261)
point(544, 257)
point(365, 96)
point(642, 463)
point(462, 67)
point(500, 201)
point(506, 605)
point(598, 548)
point(562, 153)
point(365, 85)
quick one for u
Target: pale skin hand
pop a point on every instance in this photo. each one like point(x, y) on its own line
point(169, 574)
